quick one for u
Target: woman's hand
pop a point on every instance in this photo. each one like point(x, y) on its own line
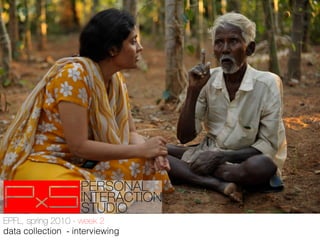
point(154, 147)
point(160, 162)
point(136, 138)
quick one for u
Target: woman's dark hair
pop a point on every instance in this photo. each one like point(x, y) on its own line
point(104, 32)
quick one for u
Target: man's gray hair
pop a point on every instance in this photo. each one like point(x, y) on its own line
point(248, 28)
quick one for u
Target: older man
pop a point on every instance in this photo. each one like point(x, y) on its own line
point(241, 110)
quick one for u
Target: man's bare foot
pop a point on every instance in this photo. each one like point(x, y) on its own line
point(234, 192)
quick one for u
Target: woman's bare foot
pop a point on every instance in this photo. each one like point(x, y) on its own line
point(234, 192)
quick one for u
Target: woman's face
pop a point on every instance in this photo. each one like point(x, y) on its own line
point(130, 52)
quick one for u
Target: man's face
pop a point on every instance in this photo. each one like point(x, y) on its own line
point(229, 48)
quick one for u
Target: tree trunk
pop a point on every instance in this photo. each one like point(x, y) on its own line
point(306, 26)
point(273, 58)
point(233, 5)
point(158, 22)
point(212, 11)
point(94, 7)
point(75, 17)
point(188, 12)
point(201, 28)
point(13, 28)
point(175, 72)
point(131, 6)
point(27, 32)
point(276, 16)
point(69, 21)
point(41, 24)
point(224, 4)
point(294, 64)
point(6, 50)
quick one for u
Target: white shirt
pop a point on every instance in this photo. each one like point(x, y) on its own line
point(253, 118)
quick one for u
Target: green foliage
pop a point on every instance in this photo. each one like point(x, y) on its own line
point(315, 22)
point(285, 17)
point(2, 71)
point(191, 49)
point(182, 190)
point(188, 15)
point(5, 82)
point(315, 32)
point(151, 16)
point(250, 211)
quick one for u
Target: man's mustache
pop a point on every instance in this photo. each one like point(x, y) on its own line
point(228, 58)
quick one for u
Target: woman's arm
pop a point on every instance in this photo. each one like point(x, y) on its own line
point(75, 126)
point(135, 138)
point(160, 162)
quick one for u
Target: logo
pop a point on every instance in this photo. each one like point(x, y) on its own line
point(41, 196)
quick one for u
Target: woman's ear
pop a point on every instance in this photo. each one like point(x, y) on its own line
point(113, 51)
point(250, 48)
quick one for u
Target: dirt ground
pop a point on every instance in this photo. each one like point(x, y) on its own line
point(301, 115)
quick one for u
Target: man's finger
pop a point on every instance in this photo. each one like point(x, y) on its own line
point(208, 65)
point(203, 56)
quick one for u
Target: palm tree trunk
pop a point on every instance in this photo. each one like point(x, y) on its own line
point(273, 58)
point(175, 73)
point(294, 64)
point(6, 50)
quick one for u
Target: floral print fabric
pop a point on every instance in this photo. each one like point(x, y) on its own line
point(37, 135)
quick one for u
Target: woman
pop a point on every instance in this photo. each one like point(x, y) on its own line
point(76, 123)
